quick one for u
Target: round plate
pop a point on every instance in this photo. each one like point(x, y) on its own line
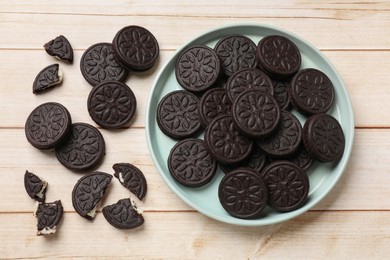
point(205, 199)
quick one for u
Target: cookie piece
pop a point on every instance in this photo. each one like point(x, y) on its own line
point(282, 93)
point(99, 64)
point(197, 68)
point(243, 194)
point(213, 103)
point(49, 216)
point(60, 48)
point(255, 161)
point(190, 163)
point(278, 56)
point(136, 47)
point(83, 150)
point(131, 178)
point(248, 79)
point(48, 77)
point(236, 52)
point(256, 114)
point(123, 214)
point(112, 104)
point(224, 141)
point(48, 125)
point(286, 140)
point(288, 185)
point(87, 193)
point(177, 114)
point(35, 186)
point(323, 138)
point(312, 92)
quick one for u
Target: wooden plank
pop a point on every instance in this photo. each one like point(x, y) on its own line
point(362, 187)
point(173, 30)
point(185, 235)
point(369, 92)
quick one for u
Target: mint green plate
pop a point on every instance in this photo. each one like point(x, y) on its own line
point(322, 177)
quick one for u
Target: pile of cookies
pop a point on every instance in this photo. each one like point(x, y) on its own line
point(80, 146)
point(241, 95)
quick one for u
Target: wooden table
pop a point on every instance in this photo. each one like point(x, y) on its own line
point(353, 221)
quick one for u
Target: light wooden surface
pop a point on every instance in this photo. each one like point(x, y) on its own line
point(352, 222)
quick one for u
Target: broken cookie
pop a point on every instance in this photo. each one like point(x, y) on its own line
point(49, 216)
point(60, 48)
point(35, 186)
point(123, 214)
point(48, 77)
point(132, 178)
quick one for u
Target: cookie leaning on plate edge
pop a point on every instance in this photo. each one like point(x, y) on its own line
point(164, 84)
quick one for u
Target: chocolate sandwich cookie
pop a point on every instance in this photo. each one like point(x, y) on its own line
point(237, 52)
point(282, 93)
point(123, 214)
point(111, 104)
point(48, 125)
point(83, 149)
point(35, 186)
point(248, 79)
point(88, 191)
point(286, 140)
point(225, 143)
point(178, 115)
point(136, 47)
point(300, 158)
point(278, 56)
point(243, 194)
point(197, 68)
point(132, 178)
point(49, 216)
point(255, 161)
point(60, 48)
point(48, 77)
point(213, 103)
point(190, 163)
point(323, 138)
point(99, 64)
point(312, 92)
point(256, 114)
point(288, 185)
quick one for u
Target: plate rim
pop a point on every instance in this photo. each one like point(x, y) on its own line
point(246, 222)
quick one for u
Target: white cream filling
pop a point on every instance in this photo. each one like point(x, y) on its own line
point(47, 231)
point(40, 193)
point(60, 76)
point(121, 180)
point(92, 212)
point(140, 211)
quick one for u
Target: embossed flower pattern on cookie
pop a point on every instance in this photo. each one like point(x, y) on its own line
point(237, 52)
point(329, 137)
point(191, 164)
point(46, 123)
point(99, 64)
point(178, 114)
point(112, 104)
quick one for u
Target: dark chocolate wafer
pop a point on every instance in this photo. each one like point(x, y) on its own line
point(60, 48)
point(288, 185)
point(286, 140)
point(256, 114)
point(35, 186)
point(112, 104)
point(47, 78)
point(48, 125)
point(226, 144)
point(282, 93)
point(123, 214)
point(278, 56)
point(248, 79)
point(191, 164)
point(88, 191)
point(213, 103)
point(132, 178)
point(237, 52)
point(99, 64)
point(136, 47)
point(177, 114)
point(323, 138)
point(83, 149)
point(312, 92)
point(243, 194)
point(255, 161)
point(197, 68)
point(48, 216)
